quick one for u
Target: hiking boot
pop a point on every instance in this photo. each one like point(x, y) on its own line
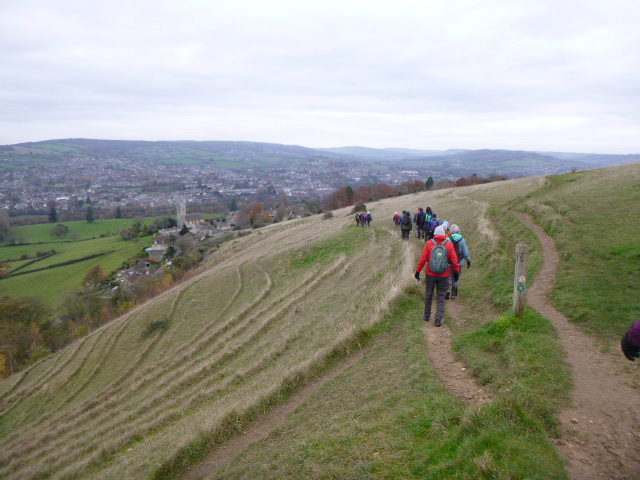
point(447, 295)
point(426, 319)
point(454, 291)
point(438, 323)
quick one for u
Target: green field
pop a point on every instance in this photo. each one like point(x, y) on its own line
point(41, 232)
point(150, 394)
point(57, 148)
point(53, 284)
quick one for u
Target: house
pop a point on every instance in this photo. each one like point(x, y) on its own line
point(159, 247)
point(192, 219)
point(142, 267)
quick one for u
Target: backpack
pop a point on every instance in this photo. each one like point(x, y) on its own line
point(406, 221)
point(433, 223)
point(455, 247)
point(439, 261)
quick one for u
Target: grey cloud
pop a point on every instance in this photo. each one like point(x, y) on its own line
point(412, 74)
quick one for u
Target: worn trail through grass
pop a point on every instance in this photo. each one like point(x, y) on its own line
point(600, 427)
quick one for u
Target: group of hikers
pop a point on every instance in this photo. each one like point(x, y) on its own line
point(444, 251)
point(425, 222)
point(363, 219)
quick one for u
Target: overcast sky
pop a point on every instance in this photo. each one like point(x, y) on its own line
point(559, 75)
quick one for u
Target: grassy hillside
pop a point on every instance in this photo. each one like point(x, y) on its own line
point(226, 154)
point(593, 217)
point(151, 393)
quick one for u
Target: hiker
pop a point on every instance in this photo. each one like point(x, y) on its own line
point(431, 228)
point(462, 253)
point(420, 217)
point(445, 224)
point(401, 218)
point(396, 219)
point(630, 343)
point(368, 218)
point(428, 212)
point(436, 255)
point(406, 225)
point(358, 217)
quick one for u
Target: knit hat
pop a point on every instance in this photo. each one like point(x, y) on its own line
point(439, 230)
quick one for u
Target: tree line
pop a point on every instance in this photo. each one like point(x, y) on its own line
point(348, 196)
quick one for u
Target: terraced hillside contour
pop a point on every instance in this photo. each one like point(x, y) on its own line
point(265, 310)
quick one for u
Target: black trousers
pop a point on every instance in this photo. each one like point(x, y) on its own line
point(441, 286)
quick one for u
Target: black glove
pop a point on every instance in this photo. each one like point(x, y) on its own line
point(468, 263)
point(456, 276)
point(629, 349)
point(417, 276)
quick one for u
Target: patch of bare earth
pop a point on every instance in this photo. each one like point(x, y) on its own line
point(601, 426)
point(453, 374)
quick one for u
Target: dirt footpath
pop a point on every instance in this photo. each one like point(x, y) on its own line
point(454, 375)
point(221, 457)
point(601, 427)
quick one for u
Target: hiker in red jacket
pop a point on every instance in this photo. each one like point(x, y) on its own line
point(437, 271)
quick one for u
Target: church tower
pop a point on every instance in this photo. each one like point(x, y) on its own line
point(182, 212)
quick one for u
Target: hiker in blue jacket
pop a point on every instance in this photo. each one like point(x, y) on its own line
point(462, 251)
point(431, 228)
point(419, 221)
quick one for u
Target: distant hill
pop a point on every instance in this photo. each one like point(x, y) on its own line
point(246, 154)
point(599, 160)
point(388, 155)
point(240, 155)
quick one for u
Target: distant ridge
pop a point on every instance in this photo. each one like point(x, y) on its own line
point(450, 163)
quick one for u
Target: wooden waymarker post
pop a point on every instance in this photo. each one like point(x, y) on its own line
point(520, 279)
